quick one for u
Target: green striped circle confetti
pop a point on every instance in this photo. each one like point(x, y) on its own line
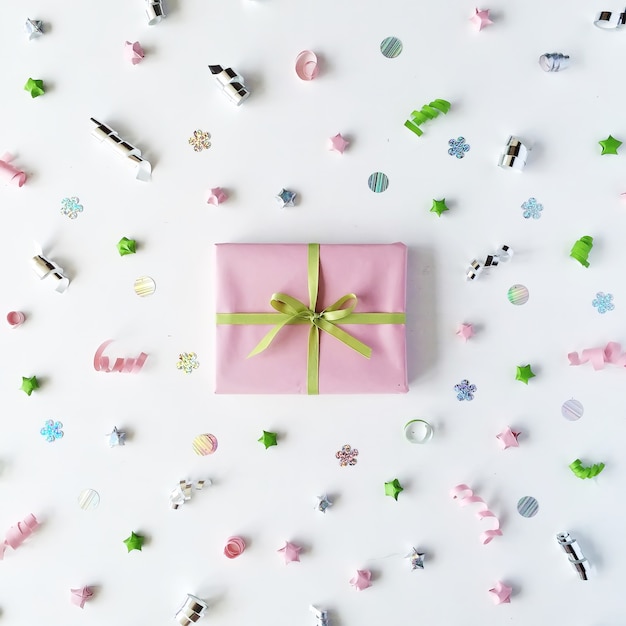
point(378, 182)
point(391, 47)
point(527, 506)
point(518, 294)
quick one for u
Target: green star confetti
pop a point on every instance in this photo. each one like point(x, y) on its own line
point(134, 542)
point(29, 385)
point(524, 373)
point(610, 145)
point(393, 488)
point(439, 207)
point(268, 439)
point(34, 87)
point(126, 246)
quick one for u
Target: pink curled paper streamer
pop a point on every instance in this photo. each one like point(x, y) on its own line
point(16, 535)
point(10, 172)
point(307, 67)
point(129, 366)
point(464, 496)
point(599, 356)
point(234, 547)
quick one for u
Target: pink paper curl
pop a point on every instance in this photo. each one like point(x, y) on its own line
point(234, 547)
point(464, 496)
point(307, 67)
point(598, 357)
point(16, 535)
point(129, 366)
point(10, 172)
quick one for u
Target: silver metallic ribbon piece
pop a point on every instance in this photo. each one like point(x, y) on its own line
point(191, 611)
point(231, 83)
point(33, 28)
point(182, 493)
point(130, 154)
point(155, 11)
point(553, 61)
point(514, 155)
point(574, 554)
point(608, 20)
point(49, 271)
point(320, 616)
point(503, 255)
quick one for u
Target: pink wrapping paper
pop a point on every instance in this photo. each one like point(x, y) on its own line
point(248, 275)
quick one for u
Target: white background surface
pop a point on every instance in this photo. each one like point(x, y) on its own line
point(278, 138)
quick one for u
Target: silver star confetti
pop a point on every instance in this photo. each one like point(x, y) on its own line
point(116, 437)
point(417, 559)
point(323, 503)
point(286, 198)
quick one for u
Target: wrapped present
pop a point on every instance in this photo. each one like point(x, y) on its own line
point(311, 318)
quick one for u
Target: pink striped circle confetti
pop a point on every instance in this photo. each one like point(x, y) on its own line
point(204, 445)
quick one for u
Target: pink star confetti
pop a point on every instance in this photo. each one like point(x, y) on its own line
point(465, 331)
point(501, 594)
point(338, 143)
point(481, 19)
point(133, 52)
point(291, 552)
point(508, 438)
point(218, 195)
point(361, 580)
point(80, 596)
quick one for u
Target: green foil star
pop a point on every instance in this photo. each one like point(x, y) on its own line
point(524, 373)
point(29, 385)
point(268, 439)
point(393, 488)
point(126, 246)
point(439, 206)
point(134, 542)
point(610, 145)
point(34, 87)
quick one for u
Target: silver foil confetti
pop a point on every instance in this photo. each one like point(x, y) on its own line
point(182, 492)
point(49, 271)
point(503, 255)
point(553, 62)
point(231, 83)
point(155, 11)
point(130, 154)
point(321, 616)
point(33, 29)
point(514, 155)
point(574, 554)
point(608, 20)
point(191, 611)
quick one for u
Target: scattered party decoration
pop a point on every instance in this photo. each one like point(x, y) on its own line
point(532, 208)
point(610, 145)
point(182, 492)
point(29, 385)
point(518, 295)
point(192, 610)
point(15, 318)
point(508, 438)
point(144, 286)
point(589, 471)
point(527, 506)
point(502, 255)
point(130, 154)
point(416, 559)
point(290, 552)
point(427, 112)
point(51, 431)
point(603, 302)
point(48, 271)
point(116, 438)
point(320, 615)
point(187, 362)
point(390, 47)
point(338, 143)
point(33, 29)
point(134, 542)
point(234, 547)
point(71, 207)
point(88, 499)
point(553, 62)
point(307, 65)
point(200, 140)
point(126, 246)
point(465, 331)
point(465, 390)
point(514, 155)
point(323, 503)
point(347, 456)
point(393, 489)
point(102, 363)
point(268, 439)
point(480, 19)
point(572, 410)
point(378, 182)
point(610, 20)
point(598, 357)
point(581, 249)
point(574, 554)
point(464, 496)
point(206, 444)
point(230, 83)
point(286, 198)
point(18, 534)
point(458, 148)
point(361, 580)
point(217, 196)
point(9, 172)
point(80, 596)
point(439, 207)
point(155, 11)
point(501, 593)
point(524, 373)
point(134, 52)
point(34, 86)
point(418, 431)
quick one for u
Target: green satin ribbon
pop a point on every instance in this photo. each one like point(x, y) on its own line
point(292, 311)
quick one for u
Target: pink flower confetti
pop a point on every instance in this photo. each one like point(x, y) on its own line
point(347, 456)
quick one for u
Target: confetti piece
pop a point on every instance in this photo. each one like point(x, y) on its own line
point(574, 554)
point(439, 207)
point(427, 112)
point(553, 62)
point(465, 332)
point(503, 255)
point(217, 196)
point(480, 19)
point(231, 84)
point(514, 155)
point(290, 552)
point(234, 547)
point(361, 580)
point(527, 506)
point(500, 593)
point(418, 431)
point(458, 148)
point(338, 143)
point(603, 302)
point(589, 471)
point(126, 246)
point(609, 20)
point(416, 559)
point(51, 431)
point(206, 444)
point(187, 362)
point(134, 542)
point(390, 47)
point(347, 456)
point(464, 496)
point(134, 52)
point(508, 438)
point(15, 318)
point(581, 249)
point(80, 596)
point(393, 489)
point(517, 295)
point(572, 410)
point(48, 270)
point(378, 182)
point(307, 65)
point(88, 499)
point(33, 29)
point(268, 439)
point(598, 357)
point(524, 373)
point(116, 438)
point(286, 198)
point(182, 492)
point(321, 616)
point(16, 535)
point(144, 286)
point(464, 390)
point(155, 11)
point(34, 86)
point(323, 503)
point(200, 140)
point(609, 145)
point(29, 384)
point(192, 610)
point(71, 207)
point(532, 208)
point(11, 173)
point(101, 363)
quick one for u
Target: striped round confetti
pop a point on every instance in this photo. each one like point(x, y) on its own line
point(378, 182)
point(518, 294)
point(391, 47)
point(88, 499)
point(205, 444)
point(572, 410)
point(527, 506)
point(144, 286)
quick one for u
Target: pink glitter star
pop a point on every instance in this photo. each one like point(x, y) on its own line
point(338, 143)
point(361, 580)
point(508, 438)
point(481, 19)
point(501, 594)
point(291, 552)
point(465, 331)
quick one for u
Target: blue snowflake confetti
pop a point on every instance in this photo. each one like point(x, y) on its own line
point(71, 207)
point(458, 147)
point(603, 302)
point(464, 391)
point(52, 431)
point(532, 208)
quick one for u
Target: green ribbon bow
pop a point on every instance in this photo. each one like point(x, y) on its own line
point(292, 311)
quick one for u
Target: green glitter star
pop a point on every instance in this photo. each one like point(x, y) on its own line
point(524, 373)
point(439, 206)
point(29, 385)
point(34, 87)
point(268, 439)
point(126, 246)
point(610, 145)
point(134, 542)
point(393, 488)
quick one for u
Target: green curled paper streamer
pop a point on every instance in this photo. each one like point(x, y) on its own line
point(581, 249)
point(427, 112)
point(581, 471)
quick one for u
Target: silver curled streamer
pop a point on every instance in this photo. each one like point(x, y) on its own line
point(609, 20)
point(503, 255)
point(514, 155)
point(182, 492)
point(553, 61)
point(231, 83)
point(130, 154)
point(192, 610)
point(574, 554)
point(155, 11)
point(48, 270)
point(320, 615)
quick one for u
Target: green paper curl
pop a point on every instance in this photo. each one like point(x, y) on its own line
point(581, 249)
point(427, 112)
point(581, 471)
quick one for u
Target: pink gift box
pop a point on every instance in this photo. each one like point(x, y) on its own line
point(248, 275)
